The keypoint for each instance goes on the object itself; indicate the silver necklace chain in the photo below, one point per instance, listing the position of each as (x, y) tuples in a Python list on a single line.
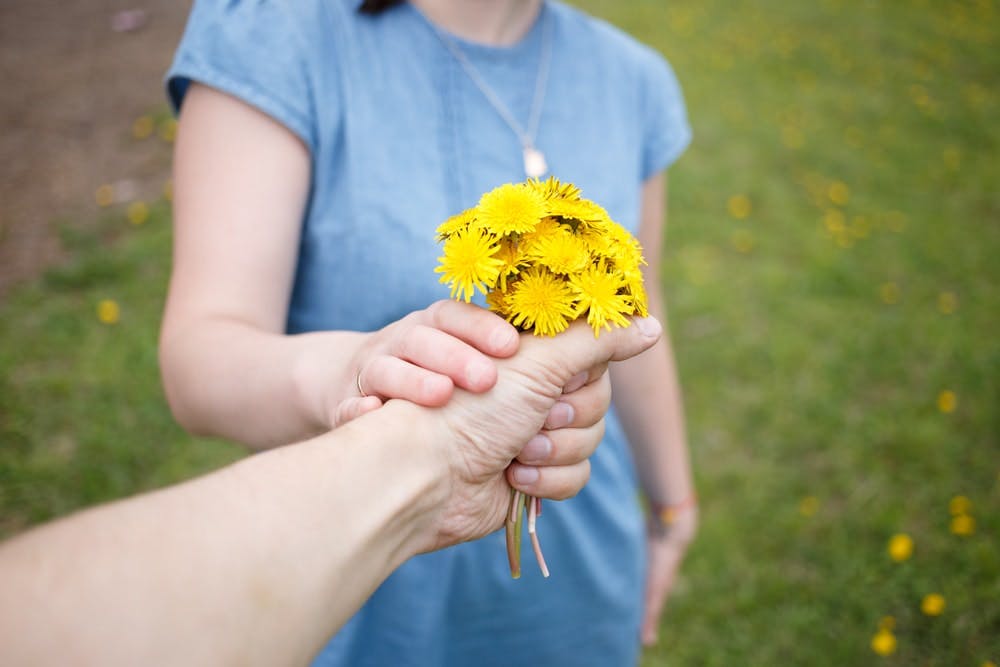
[(534, 160)]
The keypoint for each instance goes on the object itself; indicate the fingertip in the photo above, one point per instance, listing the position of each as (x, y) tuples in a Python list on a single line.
[(480, 375), (435, 390), (649, 327), (504, 340)]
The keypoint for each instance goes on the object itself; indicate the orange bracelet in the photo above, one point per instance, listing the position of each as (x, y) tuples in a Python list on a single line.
[(668, 514)]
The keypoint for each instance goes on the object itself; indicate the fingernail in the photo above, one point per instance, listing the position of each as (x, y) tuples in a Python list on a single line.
[(575, 382), (477, 371), (525, 475), (560, 415), (537, 449), (502, 338), (649, 327)]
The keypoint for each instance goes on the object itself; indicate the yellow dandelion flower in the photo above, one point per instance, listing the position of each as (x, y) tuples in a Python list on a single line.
[(839, 193), (108, 311), (582, 210), (900, 547), (104, 196), (142, 127), (889, 293), (597, 290), (635, 289), (512, 255), (138, 213), (546, 227), (834, 221), (498, 302), (623, 249), (947, 303), (469, 262), (808, 506), (541, 300), (947, 401), (739, 207), (552, 188), (884, 643), (455, 223), (510, 209), (932, 604), (561, 251), (168, 130), (963, 525), (959, 505)]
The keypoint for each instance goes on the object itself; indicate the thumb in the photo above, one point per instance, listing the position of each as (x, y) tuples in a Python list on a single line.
[(577, 350)]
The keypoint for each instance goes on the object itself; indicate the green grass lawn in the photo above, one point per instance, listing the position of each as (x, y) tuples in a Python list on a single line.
[(834, 285)]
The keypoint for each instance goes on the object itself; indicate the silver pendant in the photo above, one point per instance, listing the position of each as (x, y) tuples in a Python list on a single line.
[(534, 162)]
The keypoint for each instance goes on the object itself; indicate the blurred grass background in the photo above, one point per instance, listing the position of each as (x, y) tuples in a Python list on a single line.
[(832, 274)]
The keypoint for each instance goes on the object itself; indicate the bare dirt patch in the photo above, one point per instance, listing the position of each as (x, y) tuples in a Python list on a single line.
[(72, 88)]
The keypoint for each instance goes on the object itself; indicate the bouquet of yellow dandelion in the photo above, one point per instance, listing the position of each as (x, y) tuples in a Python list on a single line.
[(543, 256)]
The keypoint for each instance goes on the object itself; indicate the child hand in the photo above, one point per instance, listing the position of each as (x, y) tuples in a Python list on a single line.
[(424, 356)]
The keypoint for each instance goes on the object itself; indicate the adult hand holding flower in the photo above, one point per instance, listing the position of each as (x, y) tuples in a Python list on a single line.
[(481, 439)]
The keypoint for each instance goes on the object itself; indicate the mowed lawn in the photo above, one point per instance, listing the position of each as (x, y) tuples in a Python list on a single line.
[(833, 277)]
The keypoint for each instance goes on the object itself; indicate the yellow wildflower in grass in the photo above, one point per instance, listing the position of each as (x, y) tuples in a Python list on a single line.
[(963, 525), (104, 195), (137, 213), (959, 505), (947, 401), (808, 506), (739, 207), (900, 547), (947, 303), (510, 209), (889, 293), (142, 127), (839, 193), (544, 257), (988, 663), (884, 643), (469, 262), (108, 311), (168, 130), (834, 221), (932, 604)]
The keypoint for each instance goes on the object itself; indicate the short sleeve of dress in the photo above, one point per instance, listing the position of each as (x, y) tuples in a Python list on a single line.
[(254, 50), (667, 131)]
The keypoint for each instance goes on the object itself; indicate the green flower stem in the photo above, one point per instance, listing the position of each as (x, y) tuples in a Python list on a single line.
[(515, 521)]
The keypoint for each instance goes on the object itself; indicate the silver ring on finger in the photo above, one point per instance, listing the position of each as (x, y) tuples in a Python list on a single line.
[(357, 381)]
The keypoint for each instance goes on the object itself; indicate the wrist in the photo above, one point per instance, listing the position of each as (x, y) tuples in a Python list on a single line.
[(677, 518), (321, 381)]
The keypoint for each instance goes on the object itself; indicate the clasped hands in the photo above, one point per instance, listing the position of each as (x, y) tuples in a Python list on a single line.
[(506, 409)]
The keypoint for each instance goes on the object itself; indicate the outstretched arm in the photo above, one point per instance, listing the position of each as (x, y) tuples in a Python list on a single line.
[(260, 562)]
